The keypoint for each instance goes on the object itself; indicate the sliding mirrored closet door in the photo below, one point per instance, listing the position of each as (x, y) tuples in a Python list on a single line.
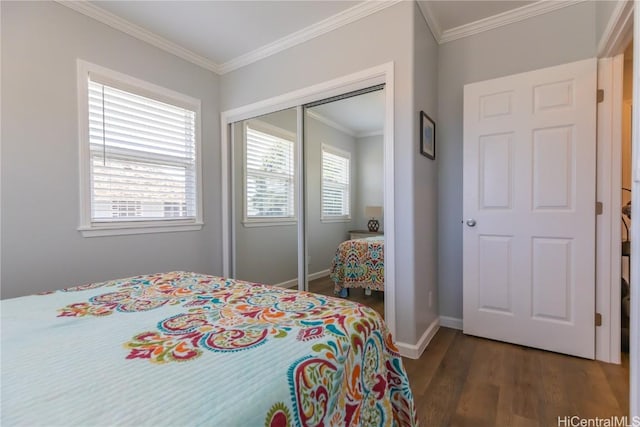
[(344, 164), (265, 211), (306, 181)]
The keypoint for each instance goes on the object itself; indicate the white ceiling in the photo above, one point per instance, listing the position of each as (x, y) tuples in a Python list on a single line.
[(223, 35)]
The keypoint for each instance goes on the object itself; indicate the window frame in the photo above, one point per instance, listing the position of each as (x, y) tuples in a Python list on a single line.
[(341, 153), (278, 132), (93, 228)]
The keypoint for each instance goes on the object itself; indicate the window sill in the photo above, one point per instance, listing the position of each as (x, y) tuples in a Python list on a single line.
[(119, 229), (251, 224), (340, 219)]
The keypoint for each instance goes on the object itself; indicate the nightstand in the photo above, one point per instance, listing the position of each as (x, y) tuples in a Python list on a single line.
[(361, 234)]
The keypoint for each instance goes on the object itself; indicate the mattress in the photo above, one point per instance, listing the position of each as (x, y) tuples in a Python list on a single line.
[(183, 348)]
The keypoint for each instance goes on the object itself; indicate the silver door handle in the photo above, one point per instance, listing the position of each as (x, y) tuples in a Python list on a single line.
[(471, 222)]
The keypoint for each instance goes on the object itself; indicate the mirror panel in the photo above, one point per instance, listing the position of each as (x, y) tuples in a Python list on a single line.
[(265, 209), (344, 188)]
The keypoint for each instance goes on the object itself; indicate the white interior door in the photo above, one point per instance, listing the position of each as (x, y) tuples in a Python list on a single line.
[(529, 208)]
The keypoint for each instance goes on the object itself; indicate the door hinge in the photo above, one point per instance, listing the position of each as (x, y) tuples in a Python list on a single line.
[(598, 208), (600, 95), (598, 319)]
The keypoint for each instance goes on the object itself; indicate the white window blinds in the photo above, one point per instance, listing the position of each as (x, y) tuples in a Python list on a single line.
[(335, 183), (270, 176), (142, 157)]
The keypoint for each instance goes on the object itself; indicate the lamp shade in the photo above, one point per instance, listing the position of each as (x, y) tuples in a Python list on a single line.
[(373, 211)]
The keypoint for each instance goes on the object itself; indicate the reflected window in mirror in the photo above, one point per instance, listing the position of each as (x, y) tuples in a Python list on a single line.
[(270, 172), (336, 184)]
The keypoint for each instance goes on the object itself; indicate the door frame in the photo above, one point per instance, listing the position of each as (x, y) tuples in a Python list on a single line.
[(616, 37), (623, 26), (608, 224), (634, 323), (382, 74)]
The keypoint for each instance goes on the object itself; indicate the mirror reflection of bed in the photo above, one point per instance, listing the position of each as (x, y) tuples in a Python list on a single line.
[(354, 258), (326, 286), (344, 175)]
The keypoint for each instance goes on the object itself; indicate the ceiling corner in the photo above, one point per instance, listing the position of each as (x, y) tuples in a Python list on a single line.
[(430, 18)]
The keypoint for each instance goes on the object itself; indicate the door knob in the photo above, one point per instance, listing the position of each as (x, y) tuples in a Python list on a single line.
[(471, 222)]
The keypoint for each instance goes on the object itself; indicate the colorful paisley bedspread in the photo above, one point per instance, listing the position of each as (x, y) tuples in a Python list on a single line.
[(359, 263), (183, 348)]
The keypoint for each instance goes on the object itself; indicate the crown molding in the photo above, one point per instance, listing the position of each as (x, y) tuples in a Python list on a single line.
[(270, 127), (509, 17), (327, 121), (322, 119), (345, 17), (619, 30), (430, 18), (378, 132), (86, 8)]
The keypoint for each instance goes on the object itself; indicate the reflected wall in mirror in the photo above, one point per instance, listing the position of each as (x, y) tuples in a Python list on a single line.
[(265, 212), (344, 165)]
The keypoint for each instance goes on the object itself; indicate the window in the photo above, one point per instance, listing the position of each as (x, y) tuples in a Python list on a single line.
[(175, 209), (335, 184), (269, 174), (126, 208), (139, 156)]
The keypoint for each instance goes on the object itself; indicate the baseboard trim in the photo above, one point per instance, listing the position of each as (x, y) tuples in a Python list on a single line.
[(414, 351), (319, 274), (293, 283), (451, 322)]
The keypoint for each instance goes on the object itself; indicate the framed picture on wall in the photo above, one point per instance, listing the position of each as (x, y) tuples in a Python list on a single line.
[(427, 136)]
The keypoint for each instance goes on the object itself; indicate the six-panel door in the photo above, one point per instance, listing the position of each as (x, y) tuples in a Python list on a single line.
[(529, 186)]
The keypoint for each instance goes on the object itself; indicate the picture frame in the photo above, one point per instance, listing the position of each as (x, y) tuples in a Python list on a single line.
[(427, 136)]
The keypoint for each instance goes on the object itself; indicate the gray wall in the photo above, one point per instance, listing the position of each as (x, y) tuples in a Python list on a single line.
[(384, 36), (425, 176), (370, 159), (555, 38), (41, 248)]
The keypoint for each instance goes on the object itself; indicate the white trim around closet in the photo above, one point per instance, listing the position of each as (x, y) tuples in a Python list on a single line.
[(356, 81)]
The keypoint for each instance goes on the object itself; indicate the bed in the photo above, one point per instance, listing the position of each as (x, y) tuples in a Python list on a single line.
[(183, 348), (359, 263)]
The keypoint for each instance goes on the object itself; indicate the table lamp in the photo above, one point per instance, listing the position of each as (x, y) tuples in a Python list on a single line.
[(373, 212)]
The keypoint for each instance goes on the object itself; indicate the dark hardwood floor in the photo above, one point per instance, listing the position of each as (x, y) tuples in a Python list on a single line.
[(325, 286), (467, 381)]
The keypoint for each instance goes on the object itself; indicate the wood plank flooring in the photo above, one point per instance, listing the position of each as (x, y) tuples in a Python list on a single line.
[(467, 381)]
